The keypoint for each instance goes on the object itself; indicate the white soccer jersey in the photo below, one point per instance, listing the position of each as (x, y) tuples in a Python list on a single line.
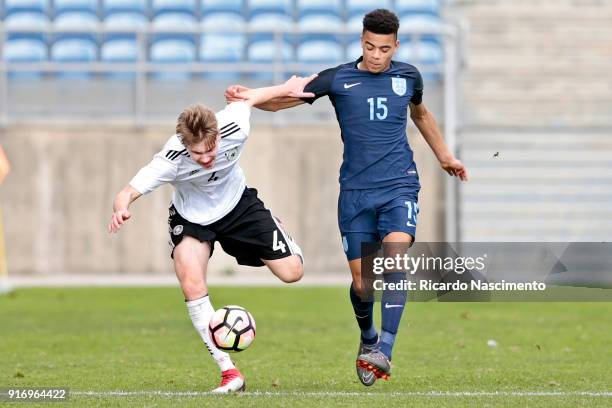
[(201, 195)]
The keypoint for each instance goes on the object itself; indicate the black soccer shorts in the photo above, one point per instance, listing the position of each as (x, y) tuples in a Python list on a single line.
[(249, 232)]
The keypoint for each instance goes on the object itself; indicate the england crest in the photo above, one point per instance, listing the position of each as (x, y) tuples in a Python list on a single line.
[(399, 86)]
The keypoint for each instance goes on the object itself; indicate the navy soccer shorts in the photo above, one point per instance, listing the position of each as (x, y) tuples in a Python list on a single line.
[(371, 214)]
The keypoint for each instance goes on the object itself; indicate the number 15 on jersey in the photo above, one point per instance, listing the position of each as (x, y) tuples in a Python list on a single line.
[(379, 111)]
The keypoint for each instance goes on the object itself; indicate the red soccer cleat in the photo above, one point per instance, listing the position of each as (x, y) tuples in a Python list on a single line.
[(231, 381)]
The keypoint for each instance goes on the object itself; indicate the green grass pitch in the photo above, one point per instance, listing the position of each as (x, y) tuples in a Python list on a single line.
[(140, 341)]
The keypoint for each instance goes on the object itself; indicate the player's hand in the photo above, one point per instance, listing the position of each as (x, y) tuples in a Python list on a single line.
[(118, 218), (295, 86), (455, 168), (233, 93)]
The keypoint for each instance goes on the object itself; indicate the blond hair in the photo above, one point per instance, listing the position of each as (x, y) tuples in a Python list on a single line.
[(197, 124)]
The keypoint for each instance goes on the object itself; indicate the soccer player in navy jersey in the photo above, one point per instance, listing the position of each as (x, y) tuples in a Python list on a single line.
[(379, 183)]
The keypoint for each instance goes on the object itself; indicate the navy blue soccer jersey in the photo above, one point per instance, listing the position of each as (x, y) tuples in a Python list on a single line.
[(372, 110)]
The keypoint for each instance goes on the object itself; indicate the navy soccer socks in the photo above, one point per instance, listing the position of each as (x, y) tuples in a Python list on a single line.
[(364, 311), (392, 306)]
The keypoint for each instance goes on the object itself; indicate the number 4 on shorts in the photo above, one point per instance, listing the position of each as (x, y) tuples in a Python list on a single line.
[(276, 244)]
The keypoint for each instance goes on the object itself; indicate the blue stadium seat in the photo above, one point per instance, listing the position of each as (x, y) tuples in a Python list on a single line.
[(423, 52), (427, 53), (318, 51), (84, 22), (422, 21), (25, 50), (320, 22), (361, 7), (265, 51), (172, 51), (26, 46), (122, 46), (175, 21), (75, 50), (163, 6), (62, 6), (34, 20), (417, 6), (14, 6), (270, 6), (119, 50), (223, 20), (115, 6), (77, 47), (125, 20), (270, 21), (210, 6), (222, 46), (354, 50), (355, 23), (305, 7)]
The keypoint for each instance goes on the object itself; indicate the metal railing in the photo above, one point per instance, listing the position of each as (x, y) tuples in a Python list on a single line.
[(143, 66)]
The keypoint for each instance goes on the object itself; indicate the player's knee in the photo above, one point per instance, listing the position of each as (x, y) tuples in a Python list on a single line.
[(294, 270), (358, 287), (193, 288)]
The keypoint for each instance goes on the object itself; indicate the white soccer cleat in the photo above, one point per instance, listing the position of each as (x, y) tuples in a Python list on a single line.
[(231, 381)]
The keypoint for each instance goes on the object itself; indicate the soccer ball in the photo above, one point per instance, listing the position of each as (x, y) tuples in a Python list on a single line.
[(232, 328)]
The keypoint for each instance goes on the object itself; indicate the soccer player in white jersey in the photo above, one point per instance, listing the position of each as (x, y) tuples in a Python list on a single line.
[(212, 203)]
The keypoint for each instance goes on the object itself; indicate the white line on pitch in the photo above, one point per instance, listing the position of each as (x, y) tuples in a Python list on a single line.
[(351, 394)]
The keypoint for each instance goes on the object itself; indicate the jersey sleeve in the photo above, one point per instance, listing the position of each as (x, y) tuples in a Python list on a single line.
[(417, 94), (321, 85), (159, 171), (233, 118)]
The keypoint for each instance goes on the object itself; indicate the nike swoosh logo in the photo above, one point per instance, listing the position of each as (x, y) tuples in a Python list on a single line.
[(347, 86), (238, 320), (368, 376), (388, 306)]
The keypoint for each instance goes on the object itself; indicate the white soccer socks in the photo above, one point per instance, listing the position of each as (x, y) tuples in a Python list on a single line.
[(201, 311)]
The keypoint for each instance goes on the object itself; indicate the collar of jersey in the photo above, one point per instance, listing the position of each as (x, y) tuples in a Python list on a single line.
[(356, 66)]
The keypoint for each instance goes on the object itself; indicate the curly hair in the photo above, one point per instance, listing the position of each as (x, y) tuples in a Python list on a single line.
[(381, 21)]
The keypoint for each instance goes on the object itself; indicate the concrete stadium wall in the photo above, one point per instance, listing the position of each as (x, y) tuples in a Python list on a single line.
[(537, 62), (57, 200)]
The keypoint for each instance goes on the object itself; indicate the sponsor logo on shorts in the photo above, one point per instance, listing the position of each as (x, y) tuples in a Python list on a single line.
[(177, 230)]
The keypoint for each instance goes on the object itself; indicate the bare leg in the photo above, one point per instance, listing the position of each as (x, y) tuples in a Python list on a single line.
[(289, 269)]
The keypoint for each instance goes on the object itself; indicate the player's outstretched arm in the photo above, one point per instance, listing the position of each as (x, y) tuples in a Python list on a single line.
[(426, 123), (236, 93), (120, 208)]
